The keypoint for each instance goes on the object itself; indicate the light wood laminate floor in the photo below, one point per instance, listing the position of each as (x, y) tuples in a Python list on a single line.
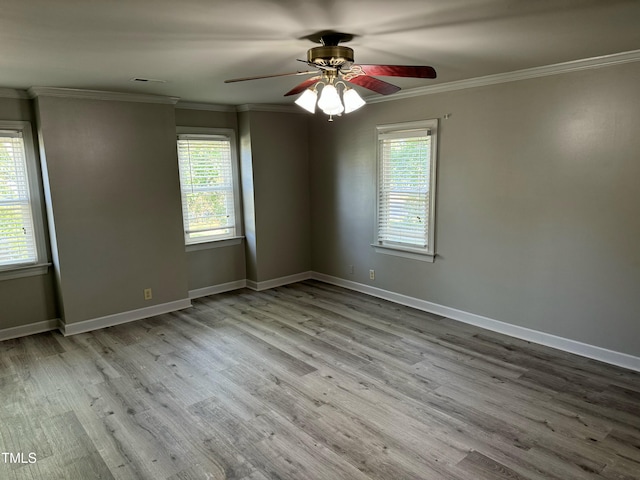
[(311, 381)]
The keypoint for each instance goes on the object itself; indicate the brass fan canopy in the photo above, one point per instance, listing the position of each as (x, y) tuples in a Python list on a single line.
[(330, 55)]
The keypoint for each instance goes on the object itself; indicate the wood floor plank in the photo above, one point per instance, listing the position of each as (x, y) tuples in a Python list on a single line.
[(208, 450), (480, 466), (80, 403), (73, 450), (312, 459), (311, 381)]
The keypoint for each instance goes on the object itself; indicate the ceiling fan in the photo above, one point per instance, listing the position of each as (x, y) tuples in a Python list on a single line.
[(334, 65)]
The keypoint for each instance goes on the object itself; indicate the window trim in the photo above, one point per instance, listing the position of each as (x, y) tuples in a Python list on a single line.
[(230, 133), (223, 242), (41, 265), (397, 129)]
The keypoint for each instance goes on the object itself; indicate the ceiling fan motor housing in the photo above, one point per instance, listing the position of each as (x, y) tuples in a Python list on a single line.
[(330, 56)]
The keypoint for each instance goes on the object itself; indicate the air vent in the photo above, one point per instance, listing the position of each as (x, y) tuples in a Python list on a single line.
[(147, 80)]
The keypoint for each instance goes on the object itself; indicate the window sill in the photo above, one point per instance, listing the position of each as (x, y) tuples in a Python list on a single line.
[(413, 253), (24, 271), (227, 242)]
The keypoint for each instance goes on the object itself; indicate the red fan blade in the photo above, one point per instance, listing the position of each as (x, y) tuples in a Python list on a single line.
[(374, 84), (414, 71), (244, 79), (303, 86)]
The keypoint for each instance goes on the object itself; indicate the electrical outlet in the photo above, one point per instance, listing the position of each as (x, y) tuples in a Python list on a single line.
[(148, 294), (351, 269), (372, 274)]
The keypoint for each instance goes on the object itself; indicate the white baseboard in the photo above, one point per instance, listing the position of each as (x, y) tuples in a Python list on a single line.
[(535, 336), (124, 317), (30, 329), (223, 287), (278, 282)]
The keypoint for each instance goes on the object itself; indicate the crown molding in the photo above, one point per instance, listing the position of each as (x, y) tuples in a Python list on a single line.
[(535, 72), (14, 93), (99, 95), (211, 107), (263, 107)]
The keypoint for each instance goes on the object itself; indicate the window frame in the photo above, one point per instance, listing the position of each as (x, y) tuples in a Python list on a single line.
[(208, 242), (427, 254), (40, 265)]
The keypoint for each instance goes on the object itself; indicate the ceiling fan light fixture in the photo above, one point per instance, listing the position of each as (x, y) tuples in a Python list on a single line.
[(308, 100), (352, 100), (333, 65)]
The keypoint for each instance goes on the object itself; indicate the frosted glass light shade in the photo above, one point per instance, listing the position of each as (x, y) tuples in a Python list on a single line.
[(352, 101), (329, 101), (308, 100), (336, 111)]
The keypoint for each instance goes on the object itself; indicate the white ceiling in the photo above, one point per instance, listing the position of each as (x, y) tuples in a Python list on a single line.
[(196, 44)]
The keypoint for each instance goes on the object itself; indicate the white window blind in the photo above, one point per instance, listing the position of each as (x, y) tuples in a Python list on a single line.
[(406, 184), (207, 184), (17, 234)]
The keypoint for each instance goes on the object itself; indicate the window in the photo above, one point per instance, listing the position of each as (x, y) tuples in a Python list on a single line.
[(406, 189), (209, 183), (21, 230)]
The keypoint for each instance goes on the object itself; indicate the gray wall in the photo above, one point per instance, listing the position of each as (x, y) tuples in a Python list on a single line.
[(537, 208), (275, 170), (113, 197), (214, 266), (28, 299), (248, 195)]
